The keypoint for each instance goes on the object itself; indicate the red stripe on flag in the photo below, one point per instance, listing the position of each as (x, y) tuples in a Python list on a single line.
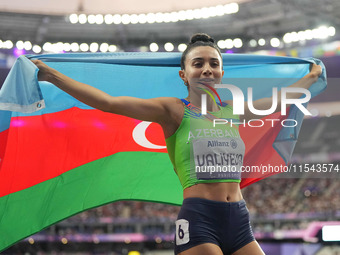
[(259, 146), (42, 147), (3, 144), (74, 137)]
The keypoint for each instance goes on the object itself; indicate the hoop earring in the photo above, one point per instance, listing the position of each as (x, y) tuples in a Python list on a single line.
[(186, 84)]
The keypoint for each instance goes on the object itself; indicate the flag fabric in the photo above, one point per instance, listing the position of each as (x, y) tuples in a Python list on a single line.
[(59, 157)]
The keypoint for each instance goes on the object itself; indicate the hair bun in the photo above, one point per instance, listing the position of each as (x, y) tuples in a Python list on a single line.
[(201, 37)]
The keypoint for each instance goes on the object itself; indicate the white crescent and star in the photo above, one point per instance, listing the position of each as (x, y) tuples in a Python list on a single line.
[(138, 134)]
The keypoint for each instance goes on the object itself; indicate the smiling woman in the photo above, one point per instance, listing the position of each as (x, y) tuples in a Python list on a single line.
[(208, 196), (203, 192), (201, 67), (85, 149)]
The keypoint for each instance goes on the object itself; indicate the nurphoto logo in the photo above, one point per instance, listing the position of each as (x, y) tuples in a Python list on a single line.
[(239, 101)]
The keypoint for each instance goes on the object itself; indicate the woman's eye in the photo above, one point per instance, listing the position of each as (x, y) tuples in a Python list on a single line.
[(197, 64)]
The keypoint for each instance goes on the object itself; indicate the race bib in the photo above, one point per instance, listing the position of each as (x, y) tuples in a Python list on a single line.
[(217, 158), (182, 232)]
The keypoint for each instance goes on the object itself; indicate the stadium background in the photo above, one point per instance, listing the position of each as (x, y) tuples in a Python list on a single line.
[(287, 214)]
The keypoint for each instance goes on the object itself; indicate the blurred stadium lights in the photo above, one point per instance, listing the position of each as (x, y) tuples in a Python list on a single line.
[(309, 34), (8, 44), (158, 240), (262, 42), (82, 18), (169, 46), (19, 45), (18, 52), (229, 43), (36, 49), (182, 47), (275, 42), (202, 13), (64, 240), (322, 32), (104, 47), (74, 47), (94, 47), (237, 43), (154, 47), (252, 43), (112, 48), (84, 47)]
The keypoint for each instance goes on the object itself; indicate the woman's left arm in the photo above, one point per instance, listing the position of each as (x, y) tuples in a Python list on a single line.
[(266, 103)]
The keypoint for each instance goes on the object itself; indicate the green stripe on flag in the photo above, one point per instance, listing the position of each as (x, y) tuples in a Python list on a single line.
[(117, 177)]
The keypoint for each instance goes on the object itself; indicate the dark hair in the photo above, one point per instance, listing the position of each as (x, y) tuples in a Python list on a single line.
[(199, 39)]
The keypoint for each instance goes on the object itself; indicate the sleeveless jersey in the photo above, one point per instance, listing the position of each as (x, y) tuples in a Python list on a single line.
[(202, 153)]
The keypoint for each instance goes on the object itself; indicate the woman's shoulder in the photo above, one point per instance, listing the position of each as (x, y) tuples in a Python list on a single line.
[(173, 105), (171, 101), (175, 111)]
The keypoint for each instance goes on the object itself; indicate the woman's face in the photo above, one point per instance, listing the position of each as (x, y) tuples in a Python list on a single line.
[(203, 66)]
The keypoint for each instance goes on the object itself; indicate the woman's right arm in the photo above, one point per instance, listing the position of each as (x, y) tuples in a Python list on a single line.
[(154, 109)]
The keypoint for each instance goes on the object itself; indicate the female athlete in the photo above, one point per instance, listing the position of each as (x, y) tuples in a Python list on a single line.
[(213, 219)]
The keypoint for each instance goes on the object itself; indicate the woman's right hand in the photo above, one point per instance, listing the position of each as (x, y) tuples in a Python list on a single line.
[(44, 70), (159, 110)]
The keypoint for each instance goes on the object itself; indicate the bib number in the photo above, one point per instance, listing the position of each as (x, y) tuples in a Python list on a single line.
[(217, 158), (182, 232)]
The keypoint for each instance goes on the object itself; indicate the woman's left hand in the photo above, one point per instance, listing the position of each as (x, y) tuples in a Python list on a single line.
[(316, 70)]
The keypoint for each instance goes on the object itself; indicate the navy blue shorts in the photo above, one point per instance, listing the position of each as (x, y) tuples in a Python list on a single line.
[(225, 224)]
